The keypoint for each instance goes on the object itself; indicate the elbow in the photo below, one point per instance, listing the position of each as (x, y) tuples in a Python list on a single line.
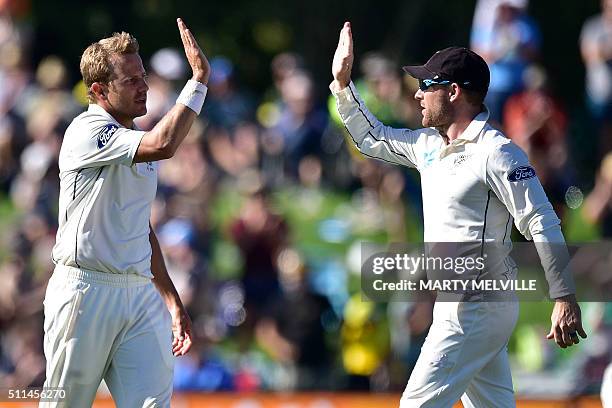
[(156, 145), (165, 148), (166, 151)]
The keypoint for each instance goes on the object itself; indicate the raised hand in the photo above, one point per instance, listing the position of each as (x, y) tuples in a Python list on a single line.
[(343, 59), (195, 55)]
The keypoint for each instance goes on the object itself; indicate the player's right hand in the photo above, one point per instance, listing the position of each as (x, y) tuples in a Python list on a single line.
[(181, 331), (566, 322), (195, 55), (343, 59)]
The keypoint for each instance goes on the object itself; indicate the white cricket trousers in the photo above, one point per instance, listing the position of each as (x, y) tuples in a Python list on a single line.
[(465, 356), (107, 326), (606, 388)]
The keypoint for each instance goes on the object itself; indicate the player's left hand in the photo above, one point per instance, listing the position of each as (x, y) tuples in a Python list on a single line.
[(181, 331), (566, 322)]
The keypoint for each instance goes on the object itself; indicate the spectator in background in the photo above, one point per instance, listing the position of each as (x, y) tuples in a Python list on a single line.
[(15, 74), (187, 187), (167, 66), (234, 152), (13, 140), (260, 235), (596, 50), (227, 105), (282, 66), (535, 121), (483, 21), (508, 47), (383, 89), (597, 207), (185, 265), (291, 328), (301, 121)]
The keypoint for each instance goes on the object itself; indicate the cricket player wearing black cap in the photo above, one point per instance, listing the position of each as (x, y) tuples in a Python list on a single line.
[(474, 182)]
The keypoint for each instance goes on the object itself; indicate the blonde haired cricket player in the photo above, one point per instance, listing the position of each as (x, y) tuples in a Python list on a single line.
[(111, 311)]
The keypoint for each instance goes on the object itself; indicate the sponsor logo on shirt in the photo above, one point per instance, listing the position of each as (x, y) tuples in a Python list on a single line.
[(521, 173), (105, 134)]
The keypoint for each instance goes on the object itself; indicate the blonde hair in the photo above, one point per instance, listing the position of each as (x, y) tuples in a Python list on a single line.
[(97, 59)]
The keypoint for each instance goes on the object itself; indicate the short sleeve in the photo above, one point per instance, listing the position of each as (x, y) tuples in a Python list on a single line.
[(99, 142)]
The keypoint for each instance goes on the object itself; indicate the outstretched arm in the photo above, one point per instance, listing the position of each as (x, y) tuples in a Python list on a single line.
[(371, 137), (163, 140)]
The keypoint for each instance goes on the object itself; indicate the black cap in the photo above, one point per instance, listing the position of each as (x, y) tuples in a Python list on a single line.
[(456, 64)]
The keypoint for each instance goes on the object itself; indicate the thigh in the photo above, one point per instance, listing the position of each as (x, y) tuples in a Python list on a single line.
[(463, 338), (141, 370), (492, 386), (77, 340)]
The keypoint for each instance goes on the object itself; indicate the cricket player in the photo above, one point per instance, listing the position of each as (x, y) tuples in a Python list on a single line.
[(474, 182), (111, 311)]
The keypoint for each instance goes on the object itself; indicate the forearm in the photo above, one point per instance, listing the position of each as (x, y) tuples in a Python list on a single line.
[(371, 137), (171, 130), (174, 126), (161, 279), (555, 260)]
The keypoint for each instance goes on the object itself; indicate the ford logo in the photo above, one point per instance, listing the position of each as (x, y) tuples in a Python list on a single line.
[(105, 134), (521, 173)]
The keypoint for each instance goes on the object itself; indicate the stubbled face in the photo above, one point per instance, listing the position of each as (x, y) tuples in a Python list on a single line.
[(437, 109), (127, 92)]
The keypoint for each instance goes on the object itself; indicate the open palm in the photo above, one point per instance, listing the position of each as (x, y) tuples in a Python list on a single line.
[(343, 58)]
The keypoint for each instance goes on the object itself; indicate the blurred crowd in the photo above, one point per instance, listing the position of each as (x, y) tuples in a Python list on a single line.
[(261, 212)]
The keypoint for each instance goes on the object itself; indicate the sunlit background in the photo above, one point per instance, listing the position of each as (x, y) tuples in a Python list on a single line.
[(262, 211)]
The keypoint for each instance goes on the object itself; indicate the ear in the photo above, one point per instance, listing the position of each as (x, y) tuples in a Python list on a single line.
[(454, 92), (99, 90)]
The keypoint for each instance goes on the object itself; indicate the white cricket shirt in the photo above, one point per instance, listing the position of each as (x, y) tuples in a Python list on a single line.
[(472, 188), (105, 198)]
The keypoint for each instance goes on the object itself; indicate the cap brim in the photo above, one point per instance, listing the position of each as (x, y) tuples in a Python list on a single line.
[(419, 71)]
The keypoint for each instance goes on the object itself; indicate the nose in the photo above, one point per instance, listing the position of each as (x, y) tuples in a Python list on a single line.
[(418, 95)]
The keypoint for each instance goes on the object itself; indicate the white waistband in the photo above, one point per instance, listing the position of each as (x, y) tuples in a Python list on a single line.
[(101, 278)]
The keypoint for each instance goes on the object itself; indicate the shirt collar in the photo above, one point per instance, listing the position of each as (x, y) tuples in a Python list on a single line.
[(470, 133), (475, 127), (94, 108)]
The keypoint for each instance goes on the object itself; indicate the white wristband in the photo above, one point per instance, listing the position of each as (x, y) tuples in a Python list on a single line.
[(193, 95)]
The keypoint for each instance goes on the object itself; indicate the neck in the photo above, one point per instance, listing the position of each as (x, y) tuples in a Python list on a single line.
[(455, 129), (123, 120)]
